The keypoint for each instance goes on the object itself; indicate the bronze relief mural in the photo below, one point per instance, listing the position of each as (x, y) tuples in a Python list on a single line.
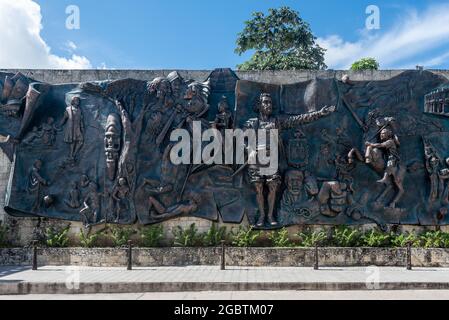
[(350, 152)]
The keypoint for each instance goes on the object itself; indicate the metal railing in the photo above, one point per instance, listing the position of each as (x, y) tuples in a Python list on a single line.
[(222, 252)]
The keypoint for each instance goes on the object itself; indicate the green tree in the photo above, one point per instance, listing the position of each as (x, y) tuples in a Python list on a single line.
[(281, 41), (365, 64)]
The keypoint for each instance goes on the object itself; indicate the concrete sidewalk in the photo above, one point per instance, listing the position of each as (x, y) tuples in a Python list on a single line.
[(85, 280)]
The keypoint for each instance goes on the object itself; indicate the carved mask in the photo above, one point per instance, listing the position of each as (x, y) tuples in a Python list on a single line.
[(295, 182)]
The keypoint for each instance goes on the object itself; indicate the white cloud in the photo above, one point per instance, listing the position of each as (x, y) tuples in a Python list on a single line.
[(416, 34), (71, 46), (22, 44)]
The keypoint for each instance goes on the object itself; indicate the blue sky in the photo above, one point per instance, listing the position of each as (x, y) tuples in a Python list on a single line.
[(201, 34)]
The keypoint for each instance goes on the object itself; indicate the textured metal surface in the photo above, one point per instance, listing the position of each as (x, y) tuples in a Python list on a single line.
[(99, 152)]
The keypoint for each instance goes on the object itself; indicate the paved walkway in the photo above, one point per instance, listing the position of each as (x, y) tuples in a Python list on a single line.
[(62, 280)]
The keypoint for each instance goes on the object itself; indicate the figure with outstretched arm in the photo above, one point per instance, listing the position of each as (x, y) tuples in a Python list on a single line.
[(260, 180)]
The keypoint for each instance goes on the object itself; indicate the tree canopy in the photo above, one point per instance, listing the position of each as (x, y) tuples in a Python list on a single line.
[(281, 41), (365, 64)]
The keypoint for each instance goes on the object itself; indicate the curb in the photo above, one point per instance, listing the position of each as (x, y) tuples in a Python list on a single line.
[(23, 288)]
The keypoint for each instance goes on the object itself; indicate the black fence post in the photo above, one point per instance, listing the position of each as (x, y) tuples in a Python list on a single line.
[(409, 256), (223, 255), (316, 258), (34, 255), (130, 255)]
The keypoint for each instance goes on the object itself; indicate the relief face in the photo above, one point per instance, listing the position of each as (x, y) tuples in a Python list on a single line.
[(348, 152)]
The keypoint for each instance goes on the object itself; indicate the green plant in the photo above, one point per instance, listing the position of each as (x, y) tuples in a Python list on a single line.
[(120, 235), (245, 237), (88, 240), (365, 64), (434, 239), (151, 236), (281, 40), (401, 240), (57, 238), (214, 235), (280, 239), (309, 239), (3, 235), (375, 238), (346, 237), (186, 238)]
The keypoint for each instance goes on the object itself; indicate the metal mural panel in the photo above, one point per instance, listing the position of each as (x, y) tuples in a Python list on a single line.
[(350, 152)]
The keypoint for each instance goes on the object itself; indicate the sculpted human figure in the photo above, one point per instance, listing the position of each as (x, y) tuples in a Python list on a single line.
[(373, 156), (384, 158), (389, 147), (177, 84), (73, 200), (294, 179), (32, 136), (197, 95), (272, 182), (167, 108), (35, 184), (49, 132), (443, 177), (301, 188), (159, 211), (120, 195), (433, 170), (161, 88), (223, 120), (74, 127), (90, 212)]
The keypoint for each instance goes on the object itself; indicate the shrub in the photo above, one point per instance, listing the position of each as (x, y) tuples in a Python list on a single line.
[(346, 237), (151, 236), (401, 240), (57, 238), (245, 237), (186, 238), (434, 239), (214, 236), (3, 235), (375, 238), (280, 239), (88, 240), (120, 235), (310, 239)]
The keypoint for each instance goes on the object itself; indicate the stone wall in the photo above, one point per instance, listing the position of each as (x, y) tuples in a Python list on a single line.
[(24, 230), (243, 257), (275, 77)]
